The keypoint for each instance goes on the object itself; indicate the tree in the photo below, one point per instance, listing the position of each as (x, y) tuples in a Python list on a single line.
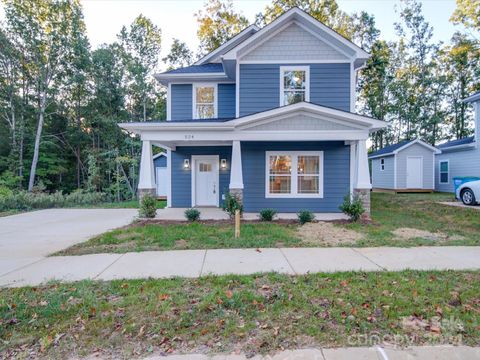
[(179, 56), (46, 30), (141, 45), (467, 13), (218, 23)]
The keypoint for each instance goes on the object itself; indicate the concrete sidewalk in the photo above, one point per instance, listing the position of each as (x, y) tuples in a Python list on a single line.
[(360, 353), (195, 263)]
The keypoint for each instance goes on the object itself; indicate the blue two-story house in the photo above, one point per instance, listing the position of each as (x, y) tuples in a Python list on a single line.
[(268, 116)]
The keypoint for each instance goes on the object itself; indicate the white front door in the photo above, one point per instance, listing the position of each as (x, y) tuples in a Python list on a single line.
[(206, 181), (162, 181), (414, 173)]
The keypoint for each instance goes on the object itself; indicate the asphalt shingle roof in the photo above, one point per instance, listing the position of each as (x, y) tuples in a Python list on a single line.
[(464, 141), (391, 148), (198, 69)]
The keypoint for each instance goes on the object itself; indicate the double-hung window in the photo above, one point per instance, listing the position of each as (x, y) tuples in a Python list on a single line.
[(444, 172), (294, 84), (204, 101), (294, 174)]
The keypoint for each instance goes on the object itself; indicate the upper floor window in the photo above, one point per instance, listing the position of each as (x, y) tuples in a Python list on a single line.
[(294, 84), (204, 101)]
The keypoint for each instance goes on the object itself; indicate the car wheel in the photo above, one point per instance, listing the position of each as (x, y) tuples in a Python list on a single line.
[(468, 198)]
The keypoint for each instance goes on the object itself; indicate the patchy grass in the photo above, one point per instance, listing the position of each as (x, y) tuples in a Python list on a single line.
[(187, 236), (132, 204), (252, 314), (9, 212), (390, 212)]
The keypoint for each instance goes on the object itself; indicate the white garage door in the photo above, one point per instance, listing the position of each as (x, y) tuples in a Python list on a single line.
[(161, 181)]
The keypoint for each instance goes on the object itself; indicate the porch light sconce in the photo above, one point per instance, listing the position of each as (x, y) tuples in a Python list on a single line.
[(223, 164), (186, 164)]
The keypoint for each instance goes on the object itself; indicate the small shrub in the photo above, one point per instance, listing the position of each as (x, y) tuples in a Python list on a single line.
[(148, 206), (267, 214), (5, 191), (192, 214), (352, 207), (231, 204), (305, 216)]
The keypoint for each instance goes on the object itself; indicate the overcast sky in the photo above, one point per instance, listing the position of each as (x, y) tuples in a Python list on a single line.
[(104, 18)]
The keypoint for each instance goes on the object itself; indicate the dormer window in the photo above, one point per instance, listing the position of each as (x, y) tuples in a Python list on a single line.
[(204, 101), (294, 84)]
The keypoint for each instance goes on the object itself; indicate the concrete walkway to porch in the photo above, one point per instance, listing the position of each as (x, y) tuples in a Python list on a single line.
[(195, 263), (214, 213)]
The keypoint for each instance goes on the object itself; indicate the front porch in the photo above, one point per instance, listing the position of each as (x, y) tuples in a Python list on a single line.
[(214, 213)]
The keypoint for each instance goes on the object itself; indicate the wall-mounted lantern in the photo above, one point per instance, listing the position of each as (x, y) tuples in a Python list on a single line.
[(186, 164), (223, 164)]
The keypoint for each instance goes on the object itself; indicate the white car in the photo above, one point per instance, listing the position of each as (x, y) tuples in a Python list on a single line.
[(469, 192)]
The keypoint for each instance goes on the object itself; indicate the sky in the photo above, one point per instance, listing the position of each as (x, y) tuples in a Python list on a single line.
[(104, 18)]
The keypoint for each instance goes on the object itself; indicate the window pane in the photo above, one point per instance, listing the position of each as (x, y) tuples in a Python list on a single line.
[(292, 97), (444, 166), (294, 80), (280, 164), (308, 164), (308, 185), (205, 95), (444, 177), (205, 111), (280, 184)]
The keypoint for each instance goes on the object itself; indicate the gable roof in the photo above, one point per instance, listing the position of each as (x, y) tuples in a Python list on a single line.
[(396, 148), (458, 142), (308, 22), (197, 69), (473, 98)]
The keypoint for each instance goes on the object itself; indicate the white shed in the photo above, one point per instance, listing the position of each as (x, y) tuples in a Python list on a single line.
[(161, 174), (406, 166)]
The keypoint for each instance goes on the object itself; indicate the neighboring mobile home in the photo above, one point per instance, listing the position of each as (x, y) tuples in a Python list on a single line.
[(268, 116), (406, 166), (459, 158)]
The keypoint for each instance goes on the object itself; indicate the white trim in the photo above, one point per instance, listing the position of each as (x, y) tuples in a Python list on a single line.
[(158, 155), (352, 87), (237, 90), (353, 157), (472, 98), (406, 170), (169, 102), (294, 174), (382, 166), (283, 69), (395, 180), (169, 178), (193, 169), (433, 166), (440, 172), (194, 98), (417, 141), (290, 61)]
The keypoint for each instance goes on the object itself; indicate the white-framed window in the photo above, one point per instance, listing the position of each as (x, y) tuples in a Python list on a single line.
[(294, 174), (444, 172), (382, 164), (294, 84), (204, 101)]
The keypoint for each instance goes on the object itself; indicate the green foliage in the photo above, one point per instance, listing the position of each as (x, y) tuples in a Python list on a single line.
[(180, 55), (352, 207), (192, 214), (467, 13), (24, 200), (267, 214), (231, 204), (5, 192), (305, 216), (148, 206)]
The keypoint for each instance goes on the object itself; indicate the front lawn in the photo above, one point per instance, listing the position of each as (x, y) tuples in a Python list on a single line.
[(398, 220), (250, 314)]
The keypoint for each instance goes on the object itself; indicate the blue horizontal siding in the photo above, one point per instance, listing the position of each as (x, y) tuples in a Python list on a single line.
[(336, 176), (260, 86), (226, 101), (182, 179), (160, 161), (181, 101)]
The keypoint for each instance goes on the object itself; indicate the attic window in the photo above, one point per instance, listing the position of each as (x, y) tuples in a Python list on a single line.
[(204, 101), (294, 84)]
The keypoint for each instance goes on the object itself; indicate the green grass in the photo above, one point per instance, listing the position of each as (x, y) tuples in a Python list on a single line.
[(187, 236), (132, 204), (252, 314)]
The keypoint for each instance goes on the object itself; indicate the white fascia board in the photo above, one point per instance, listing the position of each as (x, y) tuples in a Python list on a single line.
[(158, 155), (218, 51), (419, 142), (213, 76), (172, 126), (300, 16), (381, 155), (472, 98), (459, 147)]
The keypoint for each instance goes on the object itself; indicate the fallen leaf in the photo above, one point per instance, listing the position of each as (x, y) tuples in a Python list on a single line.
[(229, 294)]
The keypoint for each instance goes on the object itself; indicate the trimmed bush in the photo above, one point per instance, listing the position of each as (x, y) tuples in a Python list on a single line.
[(192, 214), (148, 206), (231, 204), (305, 216), (352, 207), (267, 214)]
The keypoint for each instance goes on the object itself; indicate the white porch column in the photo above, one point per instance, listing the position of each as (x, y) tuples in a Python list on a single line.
[(236, 174), (146, 183), (362, 185)]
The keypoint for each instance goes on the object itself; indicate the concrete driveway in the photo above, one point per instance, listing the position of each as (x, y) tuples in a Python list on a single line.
[(27, 238)]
